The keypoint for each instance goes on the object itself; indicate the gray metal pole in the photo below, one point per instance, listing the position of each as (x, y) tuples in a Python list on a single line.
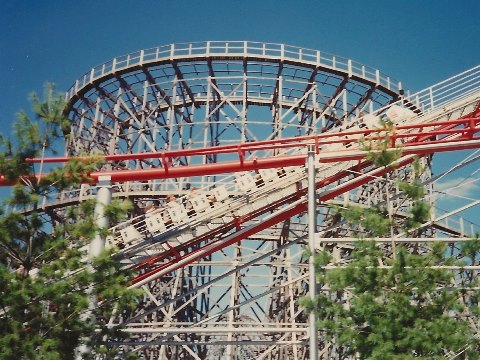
[(104, 197), (97, 245), (311, 243)]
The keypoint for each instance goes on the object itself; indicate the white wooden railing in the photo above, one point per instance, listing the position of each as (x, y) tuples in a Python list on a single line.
[(226, 49)]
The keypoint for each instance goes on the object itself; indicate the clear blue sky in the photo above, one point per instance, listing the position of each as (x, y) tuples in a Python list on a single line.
[(418, 42)]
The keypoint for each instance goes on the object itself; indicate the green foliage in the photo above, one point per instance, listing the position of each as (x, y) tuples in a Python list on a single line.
[(384, 157), (419, 211), (117, 210), (413, 190), (471, 251), (50, 112), (398, 311), (380, 152), (418, 214), (74, 172), (46, 286), (402, 307), (374, 220)]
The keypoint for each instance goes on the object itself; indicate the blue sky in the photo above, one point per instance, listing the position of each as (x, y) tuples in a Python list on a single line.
[(418, 42)]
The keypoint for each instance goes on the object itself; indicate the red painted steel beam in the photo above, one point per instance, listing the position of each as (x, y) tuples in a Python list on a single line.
[(271, 162), (200, 170), (415, 148), (167, 171), (300, 141)]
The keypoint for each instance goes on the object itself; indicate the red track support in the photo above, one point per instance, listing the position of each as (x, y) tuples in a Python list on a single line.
[(445, 129)]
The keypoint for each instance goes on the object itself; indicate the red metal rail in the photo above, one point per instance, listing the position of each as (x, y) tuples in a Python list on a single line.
[(412, 139), (446, 136), (466, 126)]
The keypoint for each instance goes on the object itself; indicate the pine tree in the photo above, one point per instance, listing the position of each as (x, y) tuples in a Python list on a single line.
[(402, 307), (46, 280)]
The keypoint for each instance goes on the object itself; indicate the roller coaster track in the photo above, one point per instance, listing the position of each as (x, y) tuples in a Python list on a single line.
[(270, 189), (265, 197)]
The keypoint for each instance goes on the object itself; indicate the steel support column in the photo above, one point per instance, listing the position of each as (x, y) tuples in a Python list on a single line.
[(97, 245), (311, 243), (104, 198)]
